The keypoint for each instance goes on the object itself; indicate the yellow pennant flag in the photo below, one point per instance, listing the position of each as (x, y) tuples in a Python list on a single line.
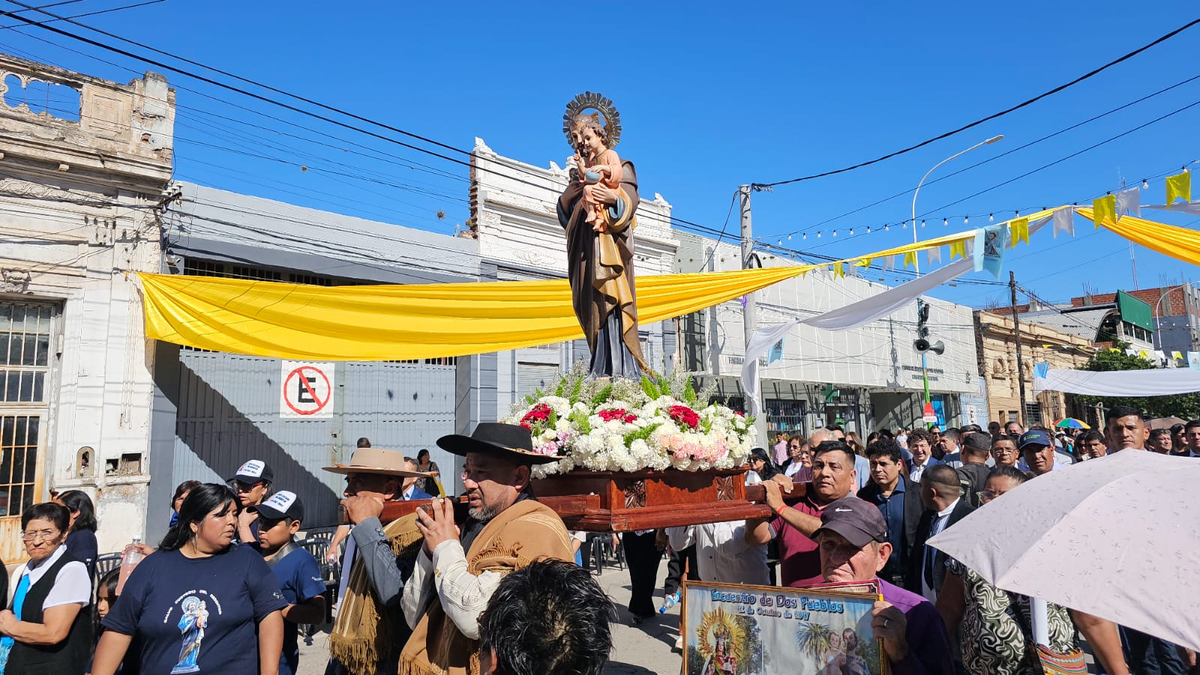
[(1105, 210), (1018, 231), (910, 258), (839, 270), (1179, 186), (958, 248), (1114, 349), (865, 262), (1142, 353), (1176, 355)]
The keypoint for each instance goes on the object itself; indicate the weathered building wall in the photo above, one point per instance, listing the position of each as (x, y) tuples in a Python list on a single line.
[(83, 166)]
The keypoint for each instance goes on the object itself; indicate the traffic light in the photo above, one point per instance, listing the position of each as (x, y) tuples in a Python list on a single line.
[(922, 343)]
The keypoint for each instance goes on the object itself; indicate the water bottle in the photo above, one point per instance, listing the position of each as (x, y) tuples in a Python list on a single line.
[(129, 560), (669, 602)]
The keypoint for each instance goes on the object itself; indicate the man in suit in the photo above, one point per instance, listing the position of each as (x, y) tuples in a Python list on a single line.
[(940, 493), (409, 489), (899, 501)]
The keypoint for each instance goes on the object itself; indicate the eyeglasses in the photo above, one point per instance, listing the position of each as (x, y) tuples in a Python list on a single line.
[(44, 535), (985, 497)]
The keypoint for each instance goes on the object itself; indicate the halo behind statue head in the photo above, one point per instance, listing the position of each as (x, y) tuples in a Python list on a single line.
[(598, 105)]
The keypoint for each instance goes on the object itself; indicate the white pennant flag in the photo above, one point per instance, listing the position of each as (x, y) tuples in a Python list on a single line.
[(889, 262), (970, 246), (1131, 352), (1064, 221), (1129, 202), (933, 254)]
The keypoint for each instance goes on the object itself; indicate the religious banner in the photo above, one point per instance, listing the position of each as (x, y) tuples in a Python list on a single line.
[(731, 629), (989, 248)]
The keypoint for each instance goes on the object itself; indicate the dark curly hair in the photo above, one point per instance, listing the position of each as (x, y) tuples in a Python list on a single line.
[(549, 618)]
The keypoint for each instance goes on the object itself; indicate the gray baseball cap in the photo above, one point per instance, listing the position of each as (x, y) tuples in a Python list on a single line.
[(859, 521)]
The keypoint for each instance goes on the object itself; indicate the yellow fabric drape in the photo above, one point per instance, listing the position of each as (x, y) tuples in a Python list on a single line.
[(381, 323), (1180, 243)]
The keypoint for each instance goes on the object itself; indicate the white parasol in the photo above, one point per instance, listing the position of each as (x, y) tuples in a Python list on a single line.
[(1117, 537)]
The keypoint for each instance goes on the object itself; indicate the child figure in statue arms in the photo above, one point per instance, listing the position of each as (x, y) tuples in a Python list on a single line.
[(599, 163)]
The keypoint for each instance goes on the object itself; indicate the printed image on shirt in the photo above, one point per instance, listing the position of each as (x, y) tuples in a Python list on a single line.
[(191, 624)]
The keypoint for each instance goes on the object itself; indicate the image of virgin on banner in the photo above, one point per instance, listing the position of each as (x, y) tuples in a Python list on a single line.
[(731, 629)]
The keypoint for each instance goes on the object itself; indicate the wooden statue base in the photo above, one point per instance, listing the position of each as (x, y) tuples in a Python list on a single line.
[(649, 500), (602, 501)]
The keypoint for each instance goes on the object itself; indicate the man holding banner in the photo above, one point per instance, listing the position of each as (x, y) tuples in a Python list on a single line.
[(854, 547)]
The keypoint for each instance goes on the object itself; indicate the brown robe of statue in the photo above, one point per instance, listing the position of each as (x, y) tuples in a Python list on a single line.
[(600, 269)]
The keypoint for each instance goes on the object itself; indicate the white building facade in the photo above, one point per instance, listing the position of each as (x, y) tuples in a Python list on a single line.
[(83, 170)]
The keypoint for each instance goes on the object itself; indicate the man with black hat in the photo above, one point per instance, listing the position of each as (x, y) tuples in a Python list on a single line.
[(458, 570), (854, 546), (252, 483), (377, 563)]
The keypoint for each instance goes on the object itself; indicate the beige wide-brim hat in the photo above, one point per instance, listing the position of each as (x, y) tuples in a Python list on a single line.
[(376, 460)]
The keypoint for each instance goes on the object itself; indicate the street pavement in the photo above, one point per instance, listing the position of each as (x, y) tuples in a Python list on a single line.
[(638, 650)]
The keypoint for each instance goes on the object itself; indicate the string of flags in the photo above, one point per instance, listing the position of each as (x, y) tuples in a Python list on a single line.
[(1110, 206)]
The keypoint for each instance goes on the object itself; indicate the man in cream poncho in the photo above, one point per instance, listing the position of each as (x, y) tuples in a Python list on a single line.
[(458, 571)]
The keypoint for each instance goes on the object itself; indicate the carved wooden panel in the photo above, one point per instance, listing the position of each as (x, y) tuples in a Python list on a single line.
[(635, 495), (725, 489)]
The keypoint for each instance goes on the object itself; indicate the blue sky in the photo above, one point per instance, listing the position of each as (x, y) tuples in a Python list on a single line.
[(712, 95)]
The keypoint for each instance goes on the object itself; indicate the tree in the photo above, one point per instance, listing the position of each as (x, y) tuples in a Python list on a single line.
[(1185, 406)]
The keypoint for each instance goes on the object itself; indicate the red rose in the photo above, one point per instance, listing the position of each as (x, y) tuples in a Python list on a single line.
[(630, 419), (684, 415), (612, 414)]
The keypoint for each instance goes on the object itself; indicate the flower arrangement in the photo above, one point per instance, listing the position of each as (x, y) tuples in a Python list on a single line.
[(628, 425)]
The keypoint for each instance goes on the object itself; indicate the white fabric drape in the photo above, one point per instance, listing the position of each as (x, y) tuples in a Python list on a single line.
[(854, 315), (843, 318), (1153, 382), (1192, 208)]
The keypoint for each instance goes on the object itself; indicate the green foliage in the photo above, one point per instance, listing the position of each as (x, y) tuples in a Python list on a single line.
[(603, 395), (649, 387), (689, 392), (576, 390), (1185, 406), (561, 388), (641, 434), (580, 419)]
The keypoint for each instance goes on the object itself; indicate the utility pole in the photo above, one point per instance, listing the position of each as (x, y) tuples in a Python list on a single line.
[(1012, 286), (750, 310)]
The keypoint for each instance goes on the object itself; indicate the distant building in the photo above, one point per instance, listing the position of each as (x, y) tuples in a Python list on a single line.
[(1102, 320), (994, 335)]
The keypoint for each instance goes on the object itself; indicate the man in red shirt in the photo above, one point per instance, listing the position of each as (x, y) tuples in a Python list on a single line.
[(833, 478)]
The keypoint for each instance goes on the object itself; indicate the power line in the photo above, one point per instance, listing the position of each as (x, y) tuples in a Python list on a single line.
[(1002, 113), (999, 156), (1070, 156), (86, 14), (286, 106)]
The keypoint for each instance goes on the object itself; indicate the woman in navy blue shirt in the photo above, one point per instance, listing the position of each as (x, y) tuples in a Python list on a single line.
[(200, 603), (81, 537)]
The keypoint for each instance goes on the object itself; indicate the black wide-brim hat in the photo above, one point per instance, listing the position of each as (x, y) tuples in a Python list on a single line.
[(507, 441)]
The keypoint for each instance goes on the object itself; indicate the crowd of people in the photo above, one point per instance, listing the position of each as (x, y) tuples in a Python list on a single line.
[(851, 524), (495, 586)]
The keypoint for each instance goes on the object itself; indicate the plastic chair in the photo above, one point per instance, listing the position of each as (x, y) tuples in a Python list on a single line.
[(107, 563)]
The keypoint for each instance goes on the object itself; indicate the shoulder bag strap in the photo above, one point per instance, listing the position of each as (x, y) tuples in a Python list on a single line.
[(284, 552)]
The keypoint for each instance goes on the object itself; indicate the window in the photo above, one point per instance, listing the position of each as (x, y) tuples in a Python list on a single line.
[(25, 334), (694, 346), (1033, 414), (25, 349)]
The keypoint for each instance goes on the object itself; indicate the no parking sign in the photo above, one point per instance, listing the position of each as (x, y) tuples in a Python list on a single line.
[(306, 391)]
